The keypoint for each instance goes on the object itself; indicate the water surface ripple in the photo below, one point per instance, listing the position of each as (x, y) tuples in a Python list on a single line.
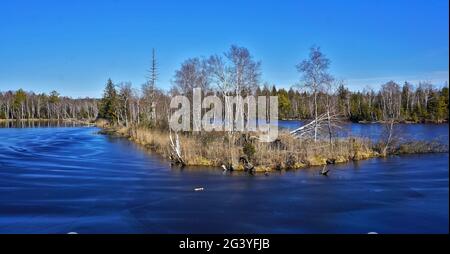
[(58, 180)]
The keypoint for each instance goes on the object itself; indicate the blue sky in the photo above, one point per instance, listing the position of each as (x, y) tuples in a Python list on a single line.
[(75, 46)]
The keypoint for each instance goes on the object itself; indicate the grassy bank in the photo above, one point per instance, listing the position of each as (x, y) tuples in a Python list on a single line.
[(215, 149), (212, 149)]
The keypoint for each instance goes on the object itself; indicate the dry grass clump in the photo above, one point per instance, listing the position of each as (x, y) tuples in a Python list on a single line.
[(418, 147), (197, 149), (101, 123), (289, 153)]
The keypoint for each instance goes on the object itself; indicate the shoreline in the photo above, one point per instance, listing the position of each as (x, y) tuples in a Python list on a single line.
[(38, 122), (195, 154)]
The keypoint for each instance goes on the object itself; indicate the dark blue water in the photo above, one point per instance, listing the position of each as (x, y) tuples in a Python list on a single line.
[(59, 180)]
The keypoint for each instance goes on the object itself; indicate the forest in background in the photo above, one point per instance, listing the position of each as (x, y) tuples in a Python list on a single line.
[(421, 103)]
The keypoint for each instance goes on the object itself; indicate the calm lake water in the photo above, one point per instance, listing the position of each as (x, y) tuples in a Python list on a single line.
[(377, 131), (59, 180)]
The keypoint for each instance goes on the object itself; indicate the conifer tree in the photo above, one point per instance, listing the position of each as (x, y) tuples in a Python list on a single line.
[(109, 103)]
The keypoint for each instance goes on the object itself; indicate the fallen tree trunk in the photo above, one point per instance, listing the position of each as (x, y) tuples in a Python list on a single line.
[(325, 123)]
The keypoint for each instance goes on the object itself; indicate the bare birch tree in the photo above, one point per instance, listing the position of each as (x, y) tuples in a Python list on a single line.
[(315, 77), (235, 74), (391, 104)]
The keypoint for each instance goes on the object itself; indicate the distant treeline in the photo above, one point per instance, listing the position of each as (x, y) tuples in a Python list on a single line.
[(22, 105), (421, 103), (424, 103), (121, 102)]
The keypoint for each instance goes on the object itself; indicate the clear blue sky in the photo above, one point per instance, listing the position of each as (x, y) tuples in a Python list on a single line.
[(75, 46)]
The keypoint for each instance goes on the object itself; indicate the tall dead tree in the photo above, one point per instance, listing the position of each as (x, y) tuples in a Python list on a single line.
[(149, 90)]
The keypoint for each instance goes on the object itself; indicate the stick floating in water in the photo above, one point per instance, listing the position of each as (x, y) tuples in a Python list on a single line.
[(324, 171)]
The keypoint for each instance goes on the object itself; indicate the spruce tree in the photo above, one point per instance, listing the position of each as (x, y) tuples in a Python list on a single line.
[(109, 103)]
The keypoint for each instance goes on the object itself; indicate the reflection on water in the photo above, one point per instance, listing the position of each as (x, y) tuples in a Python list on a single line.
[(59, 180), (39, 123)]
